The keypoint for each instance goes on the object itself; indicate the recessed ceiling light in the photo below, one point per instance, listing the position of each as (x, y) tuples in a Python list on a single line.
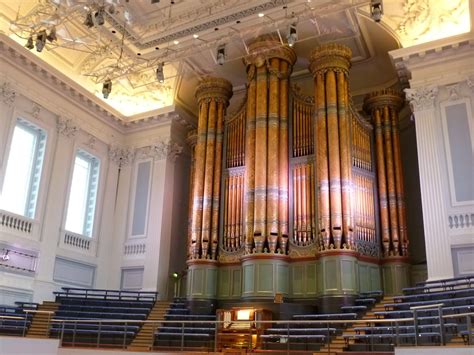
[(157, 48), (261, 14), (216, 29), (176, 41), (113, 31), (238, 21), (139, 54), (195, 35)]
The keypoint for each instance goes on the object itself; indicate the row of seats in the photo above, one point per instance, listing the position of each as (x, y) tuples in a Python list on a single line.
[(125, 307), (452, 298), (14, 320), (199, 333), (309, 334)]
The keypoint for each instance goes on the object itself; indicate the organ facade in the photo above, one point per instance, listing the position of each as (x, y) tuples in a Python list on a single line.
[(295, 195)]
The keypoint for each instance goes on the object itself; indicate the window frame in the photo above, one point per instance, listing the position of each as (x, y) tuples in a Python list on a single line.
[(100, 170), (132, 194), (29, 124)]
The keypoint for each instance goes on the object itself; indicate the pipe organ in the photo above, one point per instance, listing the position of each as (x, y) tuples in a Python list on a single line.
[(295, 187)]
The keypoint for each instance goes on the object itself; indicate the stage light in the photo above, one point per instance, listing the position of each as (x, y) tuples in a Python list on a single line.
[(160, 76), (99, 17), (107, 88), (292, 35), (52, 35), (376, 10), (89, 22), (41, 40), (29, 43), (220, 57)]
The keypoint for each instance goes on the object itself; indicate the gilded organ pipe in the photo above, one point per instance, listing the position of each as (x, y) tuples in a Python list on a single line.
[(383, 107), (213, 95)]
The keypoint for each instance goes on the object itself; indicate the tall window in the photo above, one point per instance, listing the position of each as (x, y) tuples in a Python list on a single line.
[(22, 177), (83, 194)]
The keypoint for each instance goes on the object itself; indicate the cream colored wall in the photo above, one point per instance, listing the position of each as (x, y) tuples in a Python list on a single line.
[(103, 261), (441, 74)]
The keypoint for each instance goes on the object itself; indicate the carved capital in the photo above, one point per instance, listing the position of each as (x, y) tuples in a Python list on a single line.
[(66, 127), (191, 138), (7, 94), (422, 98), (330, 56), (166, 149), (122, 156), (382, 98), (214, 88), (453, 92), (470, 82)]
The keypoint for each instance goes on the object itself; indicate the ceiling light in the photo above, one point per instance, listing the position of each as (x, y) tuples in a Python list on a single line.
[(292, 35), (195, 35), (176, 41), (40, 40), (107, 88), (160, 76), (29, 43), (261, 14), (376, 10), (5, 256), (220, 58)]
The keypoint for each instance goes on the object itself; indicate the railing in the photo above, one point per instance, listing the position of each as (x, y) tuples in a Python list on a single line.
[(67, 330), (134, 248), (77, 242), (16, 223), (107, 294)]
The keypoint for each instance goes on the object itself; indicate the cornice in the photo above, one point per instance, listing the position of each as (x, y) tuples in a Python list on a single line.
[(405, 59), (48, 76)]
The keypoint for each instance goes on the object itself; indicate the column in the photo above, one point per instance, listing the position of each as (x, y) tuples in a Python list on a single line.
[(438, 251)]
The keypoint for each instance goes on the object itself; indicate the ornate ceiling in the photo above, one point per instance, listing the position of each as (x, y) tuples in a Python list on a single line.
[(185, 34)]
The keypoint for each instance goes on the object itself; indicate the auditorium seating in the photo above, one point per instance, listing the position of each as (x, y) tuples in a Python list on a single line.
[(310, 334), (76, 320), (15, 320), (427, 302), (197, 331)]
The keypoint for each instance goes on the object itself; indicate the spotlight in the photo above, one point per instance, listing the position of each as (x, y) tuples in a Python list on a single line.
[(107, 88), (292, 35), (5, 256), (220, 58), (29, 43), (41, 40), (52, 35), (99, 16), (376, 10), (89, 22), (160, 76)]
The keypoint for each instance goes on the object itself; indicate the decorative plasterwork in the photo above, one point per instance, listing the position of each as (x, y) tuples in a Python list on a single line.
[(422, 21), (66, 127), (121, 156), (453, 92), (422, 98), (7, 94), (167, 150), (189, 31), (160, 150), (470, 82)]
